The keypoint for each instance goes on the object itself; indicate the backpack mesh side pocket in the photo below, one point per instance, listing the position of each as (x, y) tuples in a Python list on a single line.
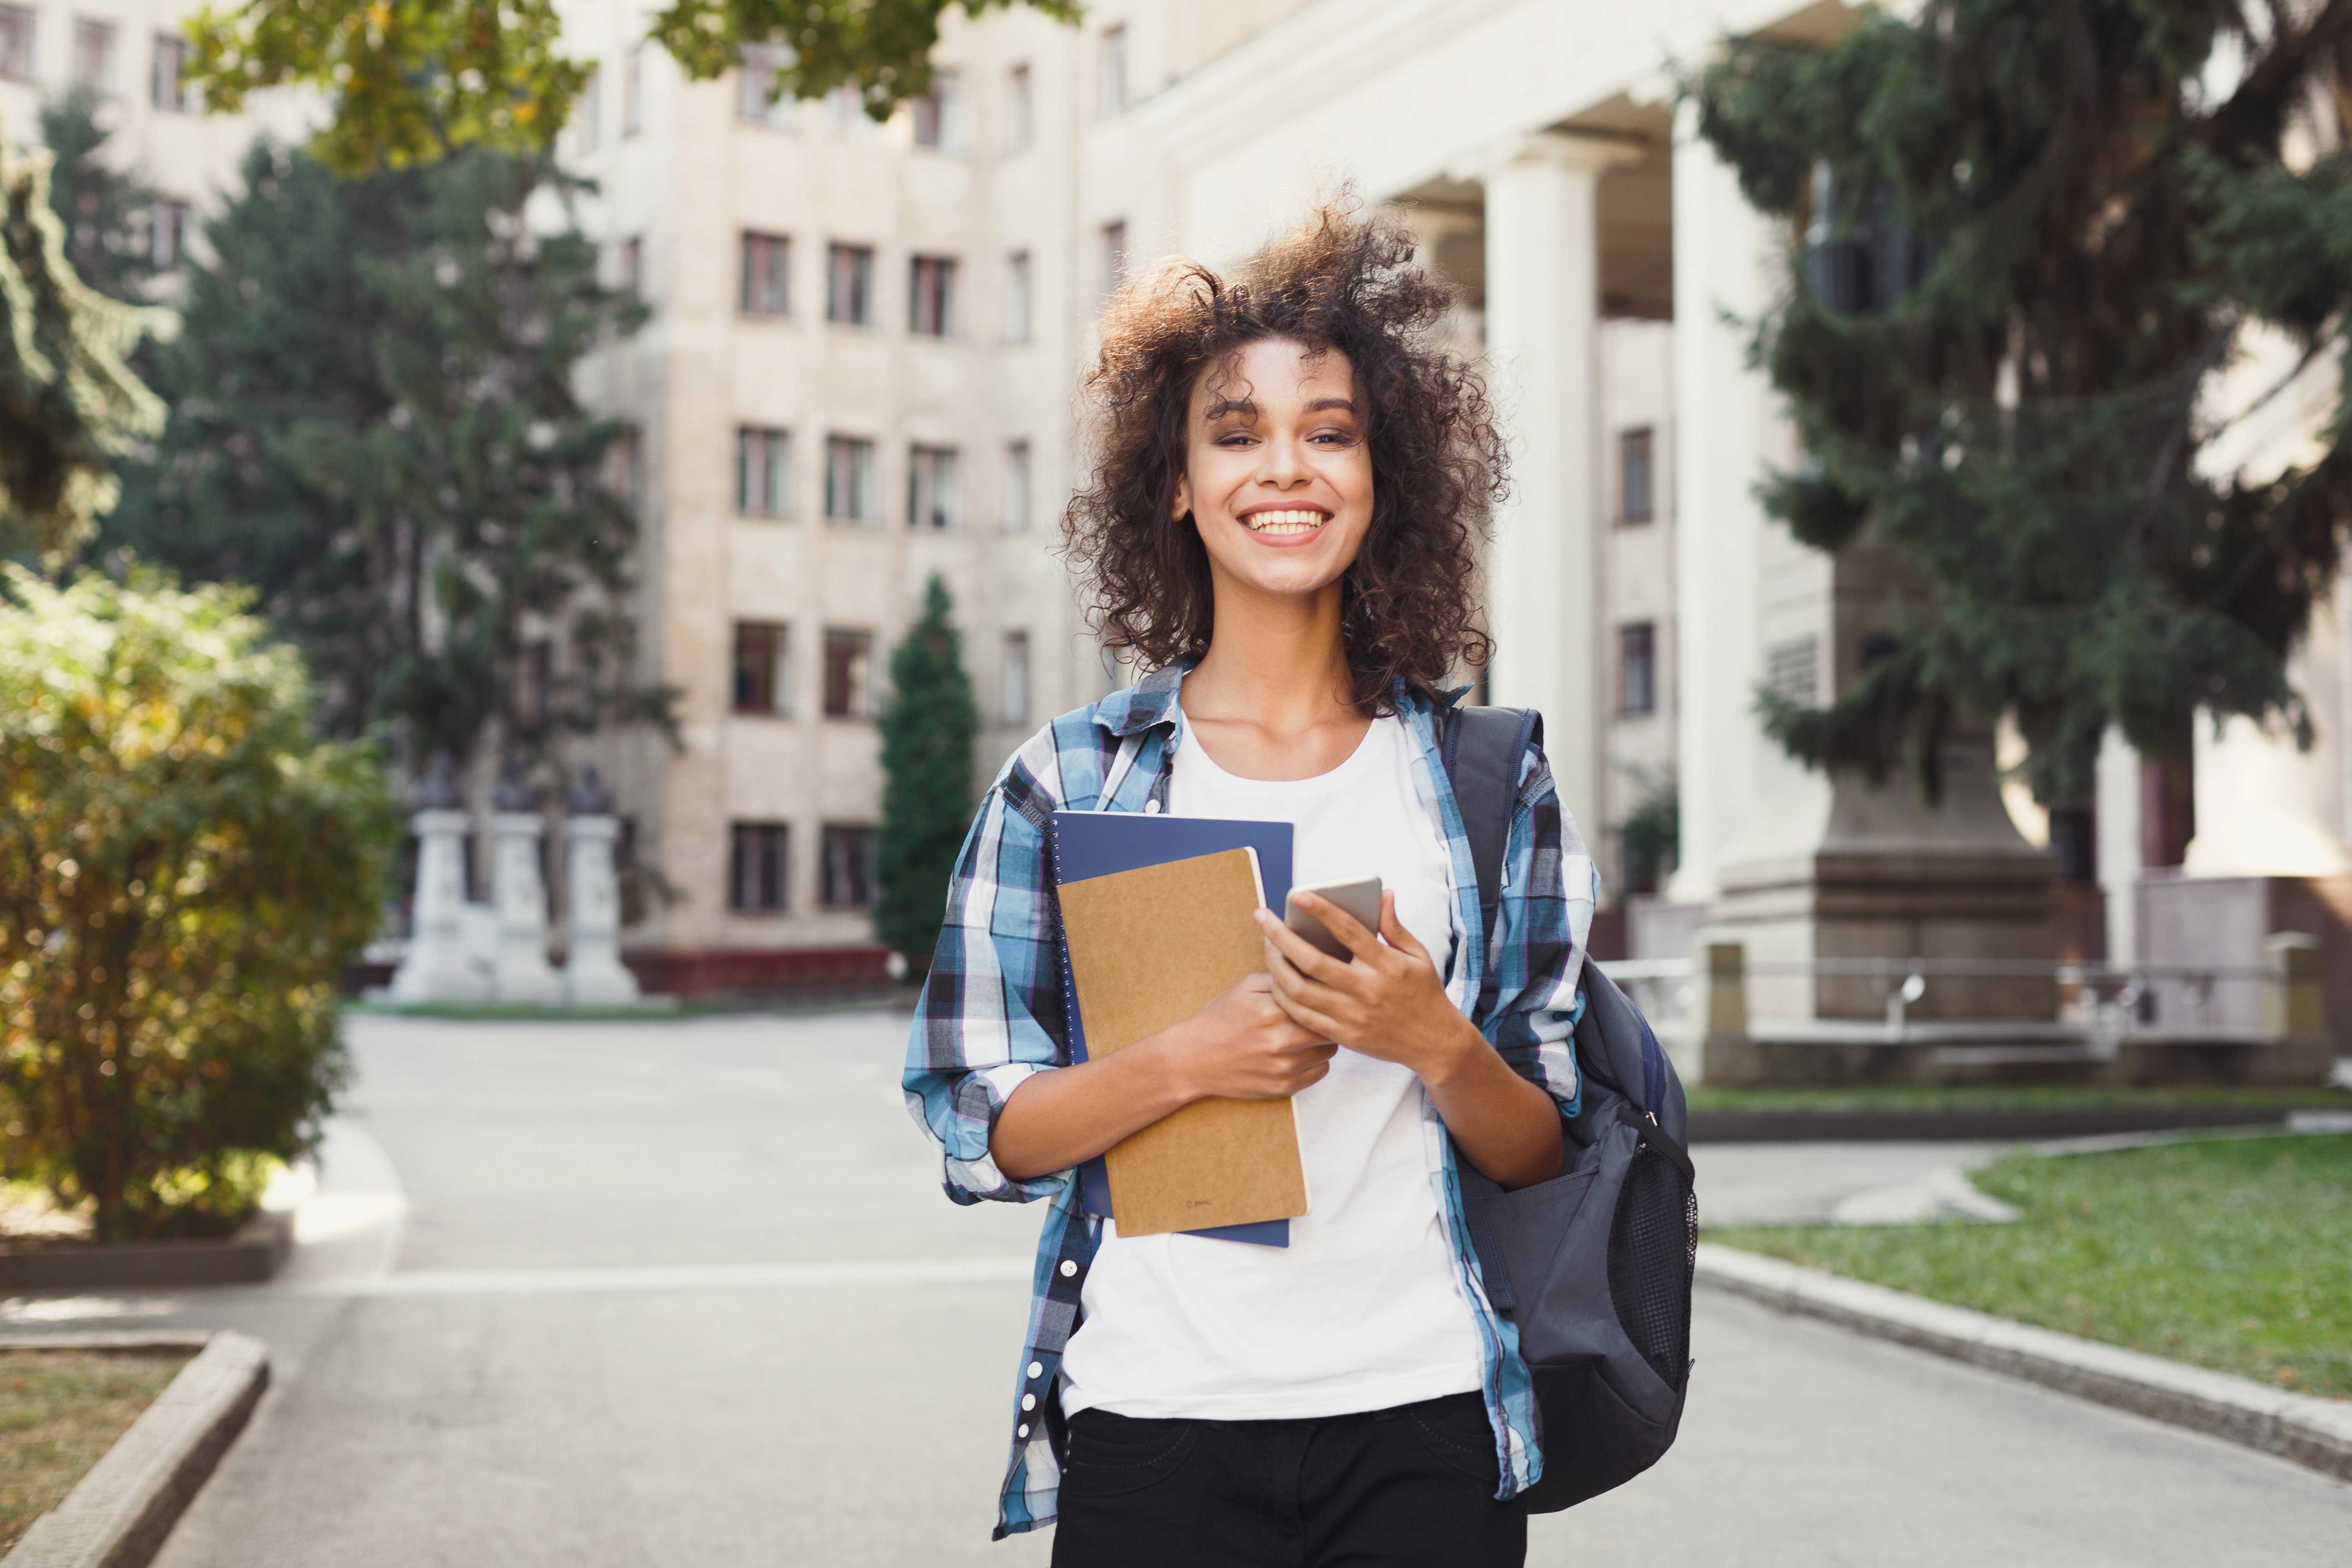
[(1653, 1253)]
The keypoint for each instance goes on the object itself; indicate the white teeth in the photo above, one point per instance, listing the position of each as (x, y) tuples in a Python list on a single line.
[(1298, 520)]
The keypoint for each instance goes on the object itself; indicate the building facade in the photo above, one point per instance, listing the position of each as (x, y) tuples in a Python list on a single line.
[(859, 372)]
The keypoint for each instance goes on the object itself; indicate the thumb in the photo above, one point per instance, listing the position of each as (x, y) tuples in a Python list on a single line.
[(1392, 930)]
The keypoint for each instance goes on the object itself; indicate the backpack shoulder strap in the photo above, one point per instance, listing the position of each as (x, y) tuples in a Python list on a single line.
[(1481, 748)]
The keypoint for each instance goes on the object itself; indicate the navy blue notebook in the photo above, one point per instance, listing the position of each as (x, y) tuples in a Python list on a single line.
[(1099, 842)]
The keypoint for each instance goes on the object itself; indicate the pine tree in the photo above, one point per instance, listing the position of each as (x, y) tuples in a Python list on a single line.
[(2026, 236), (108, 213), (70, 406), (928, 727), (375, 424)]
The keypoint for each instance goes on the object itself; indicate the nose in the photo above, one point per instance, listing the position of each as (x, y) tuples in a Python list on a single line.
[(1282, 462)]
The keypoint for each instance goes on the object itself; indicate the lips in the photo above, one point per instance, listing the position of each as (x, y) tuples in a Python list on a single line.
[(1280, 521)]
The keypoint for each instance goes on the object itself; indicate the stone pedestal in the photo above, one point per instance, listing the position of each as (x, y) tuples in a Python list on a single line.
[(593, 973), (519, 970), (2230, 922), (439, 966), (1891, 877)]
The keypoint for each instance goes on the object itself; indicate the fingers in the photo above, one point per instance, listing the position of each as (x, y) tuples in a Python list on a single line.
[(1343, 925), (1288, 981), (1304, 954)]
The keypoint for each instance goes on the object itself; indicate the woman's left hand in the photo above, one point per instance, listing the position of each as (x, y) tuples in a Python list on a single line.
[(1390, 1002)]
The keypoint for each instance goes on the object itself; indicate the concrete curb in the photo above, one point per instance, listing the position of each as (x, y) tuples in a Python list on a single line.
[(119, 1514), (256, 1251), (2313, 1432)]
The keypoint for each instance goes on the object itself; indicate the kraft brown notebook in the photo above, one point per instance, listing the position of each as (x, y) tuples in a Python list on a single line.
[(1149, 948)]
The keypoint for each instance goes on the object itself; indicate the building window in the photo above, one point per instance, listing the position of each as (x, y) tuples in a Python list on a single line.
[(845, 116), (1017, 487), (849, 479), (933, 498), (1014, 707), (763, 668), (17, 44), (1114, 256), (625, 467), (848, 674), (167, 233), (849, 285), (938, 114), (930, 308), (1016, 298), (94, 57), (758, 99), (588, 114), (1792, 670), (1016, 109), (767, 275), (633, 91), (535, 682), (760, 867), (1634, 489), (848, 867), (764, 472), (164, 88), (1637, 667), (1114, 71), (632, 260)]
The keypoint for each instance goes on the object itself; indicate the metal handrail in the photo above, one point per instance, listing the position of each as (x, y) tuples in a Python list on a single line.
[(2067, 973)]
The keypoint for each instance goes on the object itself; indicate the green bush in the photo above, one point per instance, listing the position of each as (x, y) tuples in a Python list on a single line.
[(185, 871)]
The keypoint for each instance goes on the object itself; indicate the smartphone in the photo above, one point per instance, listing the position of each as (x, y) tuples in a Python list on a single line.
[(1361, 900)]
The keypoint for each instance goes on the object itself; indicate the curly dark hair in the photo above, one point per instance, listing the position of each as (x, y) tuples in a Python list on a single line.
[(1336, 284)]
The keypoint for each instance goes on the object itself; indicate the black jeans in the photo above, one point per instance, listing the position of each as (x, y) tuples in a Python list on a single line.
[(1410, 1485)]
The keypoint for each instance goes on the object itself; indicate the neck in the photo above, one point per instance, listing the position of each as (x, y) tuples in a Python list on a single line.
[(1275, 661)]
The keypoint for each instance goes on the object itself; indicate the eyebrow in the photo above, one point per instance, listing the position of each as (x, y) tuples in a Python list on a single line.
[(1248, 408)]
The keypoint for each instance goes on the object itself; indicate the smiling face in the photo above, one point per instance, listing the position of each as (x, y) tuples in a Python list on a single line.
[(1278, 474)]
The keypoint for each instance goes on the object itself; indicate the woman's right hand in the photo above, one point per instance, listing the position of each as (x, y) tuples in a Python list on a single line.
[(1243, 1046)]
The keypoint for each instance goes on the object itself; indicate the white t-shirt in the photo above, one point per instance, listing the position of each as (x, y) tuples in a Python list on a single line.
[(1361, 1310)]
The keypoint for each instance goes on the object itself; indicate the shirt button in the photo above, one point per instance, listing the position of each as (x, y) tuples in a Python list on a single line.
[(1024, 1430), (1028, 1402), (1037, 1369), (1068, 1269), (1151, 808)]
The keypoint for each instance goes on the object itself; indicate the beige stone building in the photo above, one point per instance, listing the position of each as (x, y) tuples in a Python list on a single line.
[(129, 54), (859, 371)]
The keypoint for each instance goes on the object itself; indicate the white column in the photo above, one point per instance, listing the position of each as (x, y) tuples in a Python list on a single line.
[(2262, 807), (1543, 308), (1724, 419), (520, 972), (437, 967), (595, 973)]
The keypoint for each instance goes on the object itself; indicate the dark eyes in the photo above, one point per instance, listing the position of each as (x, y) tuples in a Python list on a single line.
[(1326, 438)]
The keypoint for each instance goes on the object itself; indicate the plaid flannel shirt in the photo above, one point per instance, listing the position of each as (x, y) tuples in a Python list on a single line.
[(992, 1013)]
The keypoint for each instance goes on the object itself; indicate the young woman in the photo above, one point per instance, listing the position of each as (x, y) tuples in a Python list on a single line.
[(1291, 489)]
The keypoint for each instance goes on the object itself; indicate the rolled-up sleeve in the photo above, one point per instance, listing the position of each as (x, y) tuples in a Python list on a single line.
[(992, 1007), (1550, 890)]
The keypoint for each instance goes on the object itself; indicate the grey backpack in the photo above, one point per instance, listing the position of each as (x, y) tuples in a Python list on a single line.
[(1594, 1265)]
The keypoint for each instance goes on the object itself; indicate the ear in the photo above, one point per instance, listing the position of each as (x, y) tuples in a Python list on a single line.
[(1183, 498)]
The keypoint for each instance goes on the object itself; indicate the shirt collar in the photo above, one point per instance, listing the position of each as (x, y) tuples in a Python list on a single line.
[(1149, 702)]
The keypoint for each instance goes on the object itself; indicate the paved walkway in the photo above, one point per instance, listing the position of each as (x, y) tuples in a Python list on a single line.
[(685, 1293)]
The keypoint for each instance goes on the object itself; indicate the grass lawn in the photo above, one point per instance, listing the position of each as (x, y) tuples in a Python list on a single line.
[(2232, 1253), (59, 1412), (1896, 1096)]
